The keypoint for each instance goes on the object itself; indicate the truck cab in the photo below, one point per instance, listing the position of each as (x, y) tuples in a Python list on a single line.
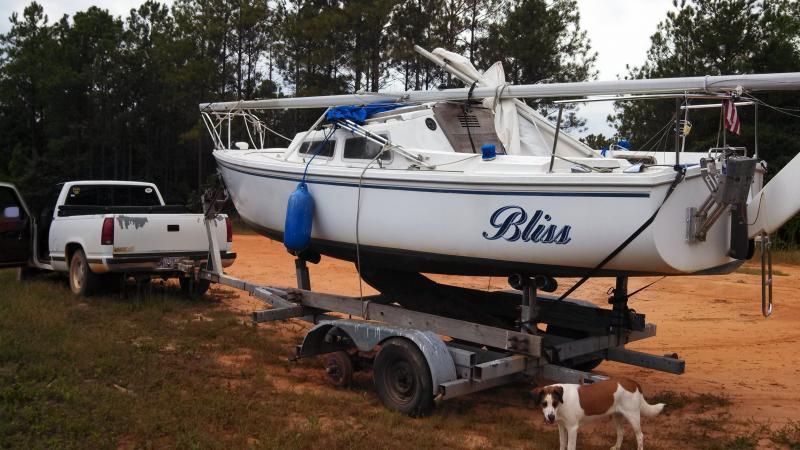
[(16, 236)]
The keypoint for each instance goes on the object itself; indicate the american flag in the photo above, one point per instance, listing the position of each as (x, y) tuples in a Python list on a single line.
[(732, 122)]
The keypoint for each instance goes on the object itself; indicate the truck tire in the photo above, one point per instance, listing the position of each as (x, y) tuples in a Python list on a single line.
[(194, 289), (82, 281), (402, 378)]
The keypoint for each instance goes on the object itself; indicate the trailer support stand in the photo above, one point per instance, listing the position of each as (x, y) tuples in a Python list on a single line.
[(529, 310), (303, 277), (619, 302)]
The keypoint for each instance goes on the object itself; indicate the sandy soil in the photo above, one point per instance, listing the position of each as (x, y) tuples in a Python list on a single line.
[(713, 322)]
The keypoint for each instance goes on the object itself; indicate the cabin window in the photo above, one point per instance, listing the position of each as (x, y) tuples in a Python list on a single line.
[(363, 148), (309, 148)]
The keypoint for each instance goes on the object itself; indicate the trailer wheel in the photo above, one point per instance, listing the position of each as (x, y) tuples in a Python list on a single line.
[(402, 378), (339, 368), (194, 289), (82, 281)]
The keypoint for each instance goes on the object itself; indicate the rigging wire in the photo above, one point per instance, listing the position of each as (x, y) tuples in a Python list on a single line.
[(358, 217), (273, 131), (661, 133), (779, 109)]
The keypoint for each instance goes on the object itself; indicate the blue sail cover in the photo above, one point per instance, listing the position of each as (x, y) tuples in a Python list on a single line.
[(359, 114)]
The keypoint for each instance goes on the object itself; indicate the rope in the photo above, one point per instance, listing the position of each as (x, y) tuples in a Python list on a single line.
[(467, 109), (645, 287), (317, 151), (678, 178), (498, 92), (358, 217)]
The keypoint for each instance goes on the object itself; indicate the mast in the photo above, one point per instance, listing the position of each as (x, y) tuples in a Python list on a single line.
[(706, 84)]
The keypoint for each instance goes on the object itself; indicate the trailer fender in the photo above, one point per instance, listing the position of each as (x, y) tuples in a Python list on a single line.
[(326, 336)]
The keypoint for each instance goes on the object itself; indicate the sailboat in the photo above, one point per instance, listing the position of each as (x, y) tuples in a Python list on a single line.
[(472, 181)]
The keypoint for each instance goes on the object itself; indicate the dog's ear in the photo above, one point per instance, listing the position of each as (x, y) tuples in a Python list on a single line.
[(537, 395), (558, 393)]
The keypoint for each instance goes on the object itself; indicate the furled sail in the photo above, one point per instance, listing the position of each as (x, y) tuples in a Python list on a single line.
[(519, 127)]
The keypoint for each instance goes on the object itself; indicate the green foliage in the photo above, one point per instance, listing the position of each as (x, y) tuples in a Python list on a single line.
[(163, 371), (598, 141), (712, 37), (103, 97)]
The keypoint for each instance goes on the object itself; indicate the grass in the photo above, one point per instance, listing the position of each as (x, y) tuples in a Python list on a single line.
[(788, 436), (160, 371), (156, 372), (678, 401), (788, 257)]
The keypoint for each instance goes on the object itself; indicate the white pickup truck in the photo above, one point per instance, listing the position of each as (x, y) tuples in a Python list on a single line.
[(99, 231)]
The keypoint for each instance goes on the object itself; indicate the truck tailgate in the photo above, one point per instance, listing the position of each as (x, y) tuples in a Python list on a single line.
[(163, 234)]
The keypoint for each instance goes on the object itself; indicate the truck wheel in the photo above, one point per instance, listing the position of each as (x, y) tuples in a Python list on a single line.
[(403, 379), (82, 281), (194, 289), (339, 368)]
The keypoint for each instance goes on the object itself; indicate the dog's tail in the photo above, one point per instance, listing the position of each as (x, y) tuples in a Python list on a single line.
[(649, 410)]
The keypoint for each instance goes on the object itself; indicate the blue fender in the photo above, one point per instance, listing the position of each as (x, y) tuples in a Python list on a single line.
[(299, 219)]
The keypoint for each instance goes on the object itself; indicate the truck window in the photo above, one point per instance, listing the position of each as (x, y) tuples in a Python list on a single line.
[(10, 210), (112, 195)]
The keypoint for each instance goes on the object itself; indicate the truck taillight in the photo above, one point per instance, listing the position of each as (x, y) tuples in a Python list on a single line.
[(107, 235), (229, 229)]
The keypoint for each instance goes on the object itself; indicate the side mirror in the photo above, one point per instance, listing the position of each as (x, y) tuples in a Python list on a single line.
[(11, 212)]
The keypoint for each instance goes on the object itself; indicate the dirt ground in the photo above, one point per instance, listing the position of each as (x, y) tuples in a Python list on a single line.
[(713, 322)]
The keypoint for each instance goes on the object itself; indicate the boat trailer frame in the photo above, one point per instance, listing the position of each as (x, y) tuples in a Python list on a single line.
[(462, 356)]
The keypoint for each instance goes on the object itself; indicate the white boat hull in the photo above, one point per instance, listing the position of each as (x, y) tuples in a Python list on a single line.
[(436, 225)]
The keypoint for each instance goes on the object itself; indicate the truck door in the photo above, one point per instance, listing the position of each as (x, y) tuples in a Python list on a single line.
[(15, 229)]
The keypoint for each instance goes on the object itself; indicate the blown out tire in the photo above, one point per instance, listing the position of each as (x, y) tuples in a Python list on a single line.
[(82, 281), (402, 378), (339, 368)]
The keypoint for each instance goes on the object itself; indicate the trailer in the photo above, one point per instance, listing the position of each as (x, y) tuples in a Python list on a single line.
[(420, 359)]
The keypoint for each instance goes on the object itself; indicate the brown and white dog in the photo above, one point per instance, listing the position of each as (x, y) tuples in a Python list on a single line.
[(570, 404)]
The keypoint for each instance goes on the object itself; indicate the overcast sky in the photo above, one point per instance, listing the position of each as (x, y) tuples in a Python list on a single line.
[(619, 30)]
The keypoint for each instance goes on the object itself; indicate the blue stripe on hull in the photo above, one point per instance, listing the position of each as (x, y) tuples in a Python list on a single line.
[(440, 190)]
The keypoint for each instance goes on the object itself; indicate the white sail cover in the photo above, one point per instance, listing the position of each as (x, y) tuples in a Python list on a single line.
[(521, 129)]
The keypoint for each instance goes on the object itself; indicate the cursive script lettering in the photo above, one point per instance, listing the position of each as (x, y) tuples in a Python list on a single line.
[(512, 223)]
